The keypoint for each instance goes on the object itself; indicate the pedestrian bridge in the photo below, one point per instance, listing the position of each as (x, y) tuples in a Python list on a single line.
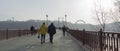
[(75, 40), (32, 43)]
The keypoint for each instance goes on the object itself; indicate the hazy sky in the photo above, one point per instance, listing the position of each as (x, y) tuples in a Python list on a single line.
[(37, 9)]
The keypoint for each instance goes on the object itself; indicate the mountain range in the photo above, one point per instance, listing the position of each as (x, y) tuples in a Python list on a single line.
[(112, 27)]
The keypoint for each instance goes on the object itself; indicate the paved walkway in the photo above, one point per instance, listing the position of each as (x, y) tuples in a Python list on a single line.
[(32, 43)]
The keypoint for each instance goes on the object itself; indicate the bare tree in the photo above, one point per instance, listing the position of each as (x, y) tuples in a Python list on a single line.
[(115, 15), (100, 14)]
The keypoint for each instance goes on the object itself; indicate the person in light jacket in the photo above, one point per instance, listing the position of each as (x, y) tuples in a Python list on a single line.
[(42, 32)]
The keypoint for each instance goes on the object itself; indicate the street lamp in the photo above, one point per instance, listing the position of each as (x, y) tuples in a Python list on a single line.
[(65, 19), (13, 19), (47, 19), (58, 22)]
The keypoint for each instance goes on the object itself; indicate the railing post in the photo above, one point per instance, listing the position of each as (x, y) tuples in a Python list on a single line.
[(114, 43), (83, 38), (7, 33), (109, 41), (27, 31), (118, 36), (100, 39), (19, 32)]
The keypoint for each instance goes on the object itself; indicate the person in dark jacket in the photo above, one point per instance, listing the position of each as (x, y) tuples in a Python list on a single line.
[(51, 31), (64, 29), (32, 29)]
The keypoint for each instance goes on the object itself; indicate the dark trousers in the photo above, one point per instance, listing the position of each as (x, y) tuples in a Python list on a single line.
[(63, 33), (42, 38), (32, 32), (51, 38)]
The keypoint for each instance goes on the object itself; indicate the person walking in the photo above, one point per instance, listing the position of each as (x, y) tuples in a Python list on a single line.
[(64, 29), (35, 30), (32, 30), (43, 31), (51, 31)]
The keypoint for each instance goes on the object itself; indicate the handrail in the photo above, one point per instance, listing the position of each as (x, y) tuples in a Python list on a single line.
[(97, 40), (10, 33)]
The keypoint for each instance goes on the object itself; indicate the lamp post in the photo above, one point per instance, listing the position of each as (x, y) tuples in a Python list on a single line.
[(47, 19), (58, 22), (13, 19), (65, 19)]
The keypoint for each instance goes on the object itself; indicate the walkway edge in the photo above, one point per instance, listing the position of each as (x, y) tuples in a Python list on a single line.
[(85, 47)]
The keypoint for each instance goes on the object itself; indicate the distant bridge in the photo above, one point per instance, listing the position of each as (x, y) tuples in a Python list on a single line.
[(80, 21)]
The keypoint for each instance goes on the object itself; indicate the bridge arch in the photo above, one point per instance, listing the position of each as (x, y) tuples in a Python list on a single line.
[(81, 21)]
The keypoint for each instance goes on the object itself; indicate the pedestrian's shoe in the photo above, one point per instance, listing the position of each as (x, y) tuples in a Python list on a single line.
[(41, 42), (38, 37), (51, 42)]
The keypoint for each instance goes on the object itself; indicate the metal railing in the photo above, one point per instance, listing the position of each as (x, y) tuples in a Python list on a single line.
[(98, 41), (9, 33)]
